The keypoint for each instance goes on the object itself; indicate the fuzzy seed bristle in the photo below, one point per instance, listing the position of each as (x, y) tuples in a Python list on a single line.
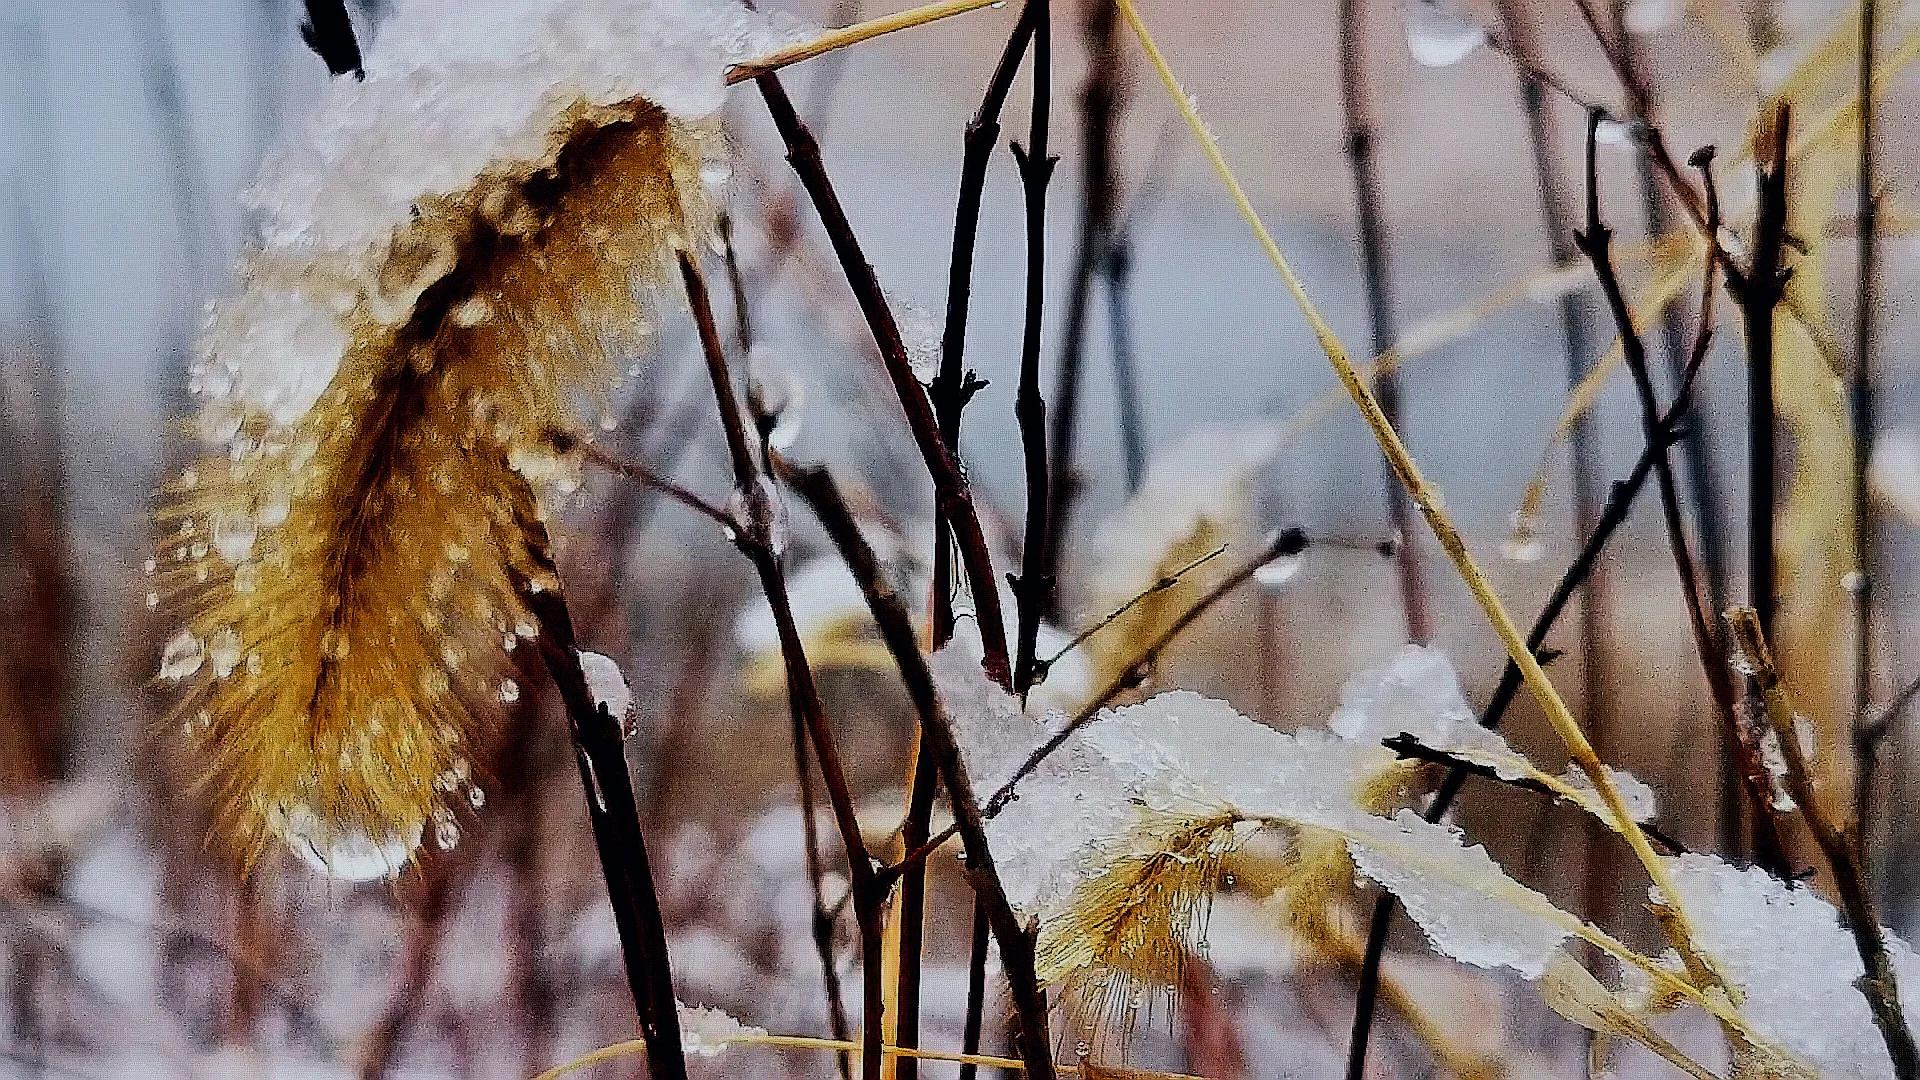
[(345, 572)]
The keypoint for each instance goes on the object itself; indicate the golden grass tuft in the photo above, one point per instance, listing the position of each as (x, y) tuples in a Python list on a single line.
[(344, 579)]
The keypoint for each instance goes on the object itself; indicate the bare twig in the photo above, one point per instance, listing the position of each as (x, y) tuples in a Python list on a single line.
[(753, 536), (600, 749), (1878, 984), (1759, 298), (950, 485), (1596, 243), (1167, 581), (1014, 937), (1377, 281), (1100, 99), (1033, 588)]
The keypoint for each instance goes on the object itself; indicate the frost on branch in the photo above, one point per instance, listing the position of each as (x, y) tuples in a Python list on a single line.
[(449, 253), (1785, 950)]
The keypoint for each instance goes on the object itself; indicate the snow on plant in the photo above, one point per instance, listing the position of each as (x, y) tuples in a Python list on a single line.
[(449, 256), (1117, 843)]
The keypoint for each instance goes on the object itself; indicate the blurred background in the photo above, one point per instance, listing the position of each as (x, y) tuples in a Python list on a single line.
[(130, 126)]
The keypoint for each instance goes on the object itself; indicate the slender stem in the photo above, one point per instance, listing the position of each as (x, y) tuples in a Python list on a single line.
[(600, 749), (1099, 108), (950, 485), (1118, 269), (981, 937), (1596, 243), (953, 386), (1033, 588), (752, 537), (1865, 410), (1878, 985), (1376, 278), (1759, 300), (1014, 936)]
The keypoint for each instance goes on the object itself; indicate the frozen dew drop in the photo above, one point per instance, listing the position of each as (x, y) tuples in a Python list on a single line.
[(763, 508), (1652, 16), (182, 656), (233, 538), (342, 852), (1437, 36), (1275, 573), (607, 684), (524, 628), (149, 566), (153, 600), (446, 831), (476, 798), (1854, 582), (1523, 549), (509, 691), (223, 652)]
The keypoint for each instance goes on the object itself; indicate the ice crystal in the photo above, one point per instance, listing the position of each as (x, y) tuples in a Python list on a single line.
[(708, 1032)]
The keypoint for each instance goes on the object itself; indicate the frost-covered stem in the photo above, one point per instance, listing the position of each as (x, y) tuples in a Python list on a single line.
[(1765, 285), (1865, 413), (1033, 587), (1286, 543), (1878, 984), (1099, 111), (951, 494), (1014, 937), (1377, 281), (953, 385), (1427, 500), (752, 537), (600, 749)]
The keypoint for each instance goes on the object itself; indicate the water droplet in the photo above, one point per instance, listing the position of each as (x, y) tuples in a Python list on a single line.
[(233, 537), (343, 852), (1277, 572), (446, 833), (762, 508), (1652, 16), (509, 691), (1854, 582), (182, 656), (149, 566), (254, 664), (1438, 36), (476, 798), (153, 600), (223, 651)]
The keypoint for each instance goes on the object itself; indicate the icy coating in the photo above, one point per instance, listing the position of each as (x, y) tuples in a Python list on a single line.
[(453, 91), (1182, 753), (1793, 963)]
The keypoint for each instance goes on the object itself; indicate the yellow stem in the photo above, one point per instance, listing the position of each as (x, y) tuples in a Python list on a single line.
[(801, 1042), (1429, 502), (853, 35)]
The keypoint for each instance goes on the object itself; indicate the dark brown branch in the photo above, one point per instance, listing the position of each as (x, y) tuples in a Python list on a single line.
[(953, 386), (1013, 935), (1878, 984), (755, 540), (1033, 588), (1596, 243), (600, 749), (1100, 100), (1412, 749), (951, 494), (1376, 278), (1760, 298)]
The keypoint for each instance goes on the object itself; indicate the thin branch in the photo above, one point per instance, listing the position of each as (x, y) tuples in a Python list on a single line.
[(1166, 582), (755, 541), (954, 385), (1013, 935), (600, 749), (1878, 985), (1760, 297), (1596, 243), (1099, 107), (762, 66), (951, 493), (1377, 281), (1033, 588), (666, 485)]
